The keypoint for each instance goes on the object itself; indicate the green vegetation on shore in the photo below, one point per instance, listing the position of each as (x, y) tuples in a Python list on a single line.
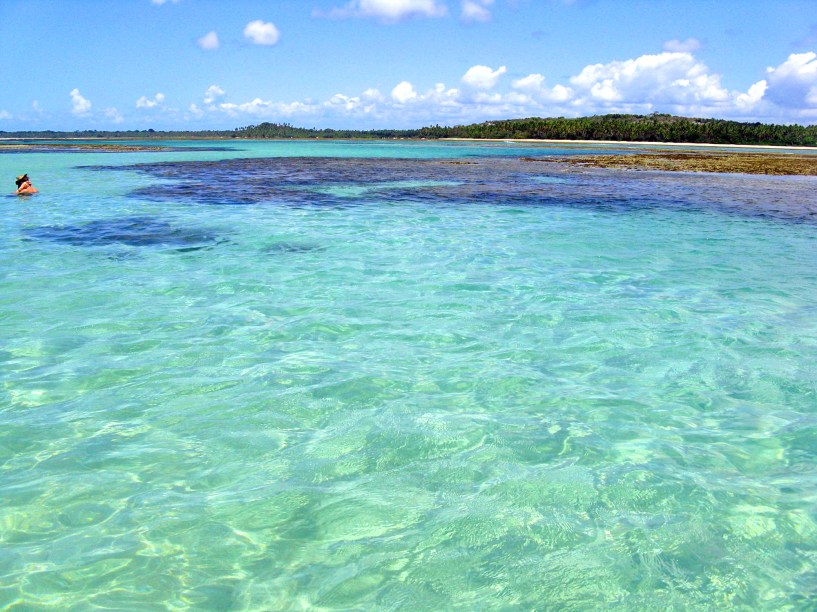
[(284, 130), (635, 128), (631, 128)]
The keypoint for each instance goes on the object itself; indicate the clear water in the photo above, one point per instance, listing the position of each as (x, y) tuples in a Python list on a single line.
[(358, 383)]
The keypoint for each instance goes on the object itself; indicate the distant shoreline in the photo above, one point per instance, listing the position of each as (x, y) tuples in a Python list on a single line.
[(611, 129), (633, 143), (644, 155), (640, 143)]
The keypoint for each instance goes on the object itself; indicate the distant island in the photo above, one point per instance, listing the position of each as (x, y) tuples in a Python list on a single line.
[(655, 128)]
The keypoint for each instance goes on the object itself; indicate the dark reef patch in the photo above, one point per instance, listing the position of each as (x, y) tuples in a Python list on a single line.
[(342, 182), (291, 247), (130, 231)]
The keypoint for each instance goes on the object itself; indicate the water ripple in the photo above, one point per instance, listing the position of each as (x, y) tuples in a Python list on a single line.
[(409, 383)]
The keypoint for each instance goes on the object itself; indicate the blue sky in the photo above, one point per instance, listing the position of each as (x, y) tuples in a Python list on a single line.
[(364, 64)]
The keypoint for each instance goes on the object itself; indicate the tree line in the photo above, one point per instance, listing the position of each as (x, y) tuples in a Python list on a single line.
[(285, 130), (632, 128)]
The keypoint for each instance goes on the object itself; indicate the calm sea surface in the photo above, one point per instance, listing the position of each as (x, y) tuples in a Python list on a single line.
[(350, 376)]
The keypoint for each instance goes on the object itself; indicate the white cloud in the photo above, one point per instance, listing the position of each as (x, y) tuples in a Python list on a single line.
[(5, 114), (262, 33), (79, 105), (161, 2), (668, 78), (209, 42), (403, 92), (751, 98), (560, 93), (114, 115), (690, 45), (388, 11), (671, 82), (346, 104), (213, 94), (793, 84), (534, 86), (476, 10), (255, 107), (482, 77), (367, 104), (144, 102), (372, 94), (532, 82), (266, 108)]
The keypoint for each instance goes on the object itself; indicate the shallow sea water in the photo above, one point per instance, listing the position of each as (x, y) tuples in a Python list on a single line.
[(344, 376)]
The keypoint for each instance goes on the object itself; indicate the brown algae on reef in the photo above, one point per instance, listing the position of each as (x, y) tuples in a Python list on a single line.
[(780, 164)]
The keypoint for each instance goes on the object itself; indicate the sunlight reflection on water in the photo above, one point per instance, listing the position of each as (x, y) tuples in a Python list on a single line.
[(437, 383)]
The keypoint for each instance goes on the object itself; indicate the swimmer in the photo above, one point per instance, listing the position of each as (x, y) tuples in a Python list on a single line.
[(24, 186)]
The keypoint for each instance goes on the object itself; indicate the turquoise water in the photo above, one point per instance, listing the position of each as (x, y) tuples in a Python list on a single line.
[(352, 376)]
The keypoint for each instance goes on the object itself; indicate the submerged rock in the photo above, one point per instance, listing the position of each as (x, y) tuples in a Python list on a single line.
[(291, 247), (131, 231), (516, 182)]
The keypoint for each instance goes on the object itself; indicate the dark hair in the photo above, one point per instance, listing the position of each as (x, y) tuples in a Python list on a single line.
[(21, 180)]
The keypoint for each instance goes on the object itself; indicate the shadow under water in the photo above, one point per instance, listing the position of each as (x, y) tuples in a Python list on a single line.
[(131, 231), (310, 181), (290, 248)]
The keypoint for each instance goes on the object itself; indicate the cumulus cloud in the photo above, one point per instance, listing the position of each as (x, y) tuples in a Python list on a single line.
[(690, 45), (403, 92), (209, 42), (672, 82), (387, 11), (372, 94), (213, 94), (404, 106), (367, 104), (345, 106), (112, 114), (79, 105), (793, 84), (750, 99), (262, 33), (534, 86), (668, 78), (483, 77), (265, 108), (532, 82), (144, 102), (476, 10), (5, 114)]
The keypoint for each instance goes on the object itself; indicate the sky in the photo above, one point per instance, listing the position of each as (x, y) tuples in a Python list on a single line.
[(368, 64)]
